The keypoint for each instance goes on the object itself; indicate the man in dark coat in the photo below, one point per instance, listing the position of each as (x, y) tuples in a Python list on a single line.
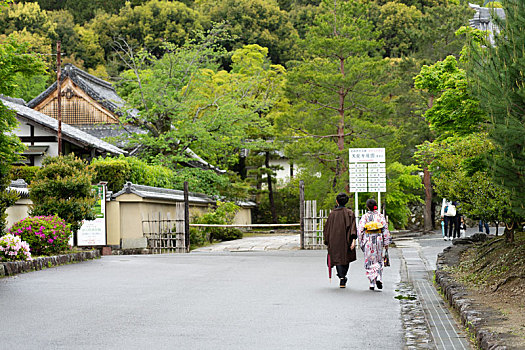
[(340, 234)]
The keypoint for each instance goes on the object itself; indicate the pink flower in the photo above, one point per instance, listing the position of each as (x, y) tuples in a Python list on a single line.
[(50, 240)]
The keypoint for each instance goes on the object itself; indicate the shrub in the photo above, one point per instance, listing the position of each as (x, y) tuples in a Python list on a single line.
[(115, 171), (223, 215), (12, 248), (46, 235), (63, 187), (27, 173)]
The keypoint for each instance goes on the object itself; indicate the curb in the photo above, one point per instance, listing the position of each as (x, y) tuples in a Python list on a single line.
[(472, 318), (12, 268)]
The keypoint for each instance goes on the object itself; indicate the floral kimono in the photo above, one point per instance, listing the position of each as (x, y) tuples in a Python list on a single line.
[(372, 245)]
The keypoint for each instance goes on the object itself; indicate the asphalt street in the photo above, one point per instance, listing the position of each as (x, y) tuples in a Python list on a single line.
[(230, 300)]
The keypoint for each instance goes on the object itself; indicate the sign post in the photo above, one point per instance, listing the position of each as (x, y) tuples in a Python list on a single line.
[(367, 173)]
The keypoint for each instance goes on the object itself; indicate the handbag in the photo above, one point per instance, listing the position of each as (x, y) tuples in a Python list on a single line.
[(386, 259), (450, 210)]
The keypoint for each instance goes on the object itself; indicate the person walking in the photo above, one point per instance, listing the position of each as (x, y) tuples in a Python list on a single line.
[(448, 213), (374, 238), (340, 238)]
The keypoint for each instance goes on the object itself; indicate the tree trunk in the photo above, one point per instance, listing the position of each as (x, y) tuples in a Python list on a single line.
[(334, 182), (270, 188), (428, 200), (509, 232)]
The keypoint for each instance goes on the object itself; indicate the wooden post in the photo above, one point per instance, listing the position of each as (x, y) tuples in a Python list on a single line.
[(186, 217), (59, 102), (301, 210)]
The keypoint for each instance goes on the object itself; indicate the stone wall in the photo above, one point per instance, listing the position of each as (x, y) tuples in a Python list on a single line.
[(11, 268), (474, 318)]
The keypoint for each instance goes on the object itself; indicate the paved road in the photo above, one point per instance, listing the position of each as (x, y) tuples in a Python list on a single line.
[(257, 293), (233, 300)]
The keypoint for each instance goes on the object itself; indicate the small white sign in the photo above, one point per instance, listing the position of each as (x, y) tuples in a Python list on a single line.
[(93, 232)]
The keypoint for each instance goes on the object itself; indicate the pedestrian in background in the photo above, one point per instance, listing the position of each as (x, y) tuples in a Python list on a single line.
[(340, 237), (486, 224), (448, 214), (374, 239)]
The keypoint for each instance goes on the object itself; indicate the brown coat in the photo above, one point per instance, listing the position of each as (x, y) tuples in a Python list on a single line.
[(339, 232)]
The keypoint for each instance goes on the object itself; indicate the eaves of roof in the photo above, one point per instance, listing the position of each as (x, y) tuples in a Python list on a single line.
[(70, 133)]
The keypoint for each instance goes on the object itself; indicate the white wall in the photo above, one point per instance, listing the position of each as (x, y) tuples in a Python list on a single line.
[(24, 129), (282, 175)]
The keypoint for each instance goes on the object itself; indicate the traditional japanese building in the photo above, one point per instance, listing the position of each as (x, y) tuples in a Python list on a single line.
[(39, 133)]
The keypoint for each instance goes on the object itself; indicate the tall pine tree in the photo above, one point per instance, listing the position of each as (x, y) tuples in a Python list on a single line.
[(498, 72)]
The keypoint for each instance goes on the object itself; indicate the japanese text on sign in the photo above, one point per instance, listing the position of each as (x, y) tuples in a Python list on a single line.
[(367, 155)]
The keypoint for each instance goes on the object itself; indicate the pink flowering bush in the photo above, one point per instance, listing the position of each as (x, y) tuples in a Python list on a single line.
[(46, 235), (12, 248)]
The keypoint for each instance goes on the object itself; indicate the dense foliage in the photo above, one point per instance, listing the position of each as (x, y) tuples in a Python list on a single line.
[(117, 171), (62, 187), (27, 173)]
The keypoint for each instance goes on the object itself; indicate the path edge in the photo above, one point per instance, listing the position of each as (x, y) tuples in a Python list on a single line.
[(456, 294), (11, 268)]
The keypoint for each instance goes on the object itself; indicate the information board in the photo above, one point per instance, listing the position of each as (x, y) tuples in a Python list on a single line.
[(367, 170), (93, 232)]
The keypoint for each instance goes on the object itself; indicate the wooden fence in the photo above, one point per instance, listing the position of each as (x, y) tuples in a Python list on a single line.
[(165, 234), (313, 221)]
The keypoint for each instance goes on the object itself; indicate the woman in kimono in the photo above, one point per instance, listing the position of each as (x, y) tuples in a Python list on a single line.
[(374, 239), (340, 236)]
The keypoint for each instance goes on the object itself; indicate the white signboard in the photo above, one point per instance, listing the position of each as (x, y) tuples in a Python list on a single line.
[(367, 170), (367, 155), (93, 232)]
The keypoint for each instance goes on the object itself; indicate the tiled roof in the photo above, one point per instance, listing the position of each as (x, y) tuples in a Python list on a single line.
[(163, 194), (69, 132), (99, 90), (19, 186)]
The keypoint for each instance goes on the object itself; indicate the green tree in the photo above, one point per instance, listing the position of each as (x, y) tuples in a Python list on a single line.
[(63, 187), (399, 25), (15, 59), (147, 26), (259, 22), (334, 91), (460, 172), (265, 82), (453, 110), (440, 21), (403, 185), (29, 16), (497, 73), (186, 102)]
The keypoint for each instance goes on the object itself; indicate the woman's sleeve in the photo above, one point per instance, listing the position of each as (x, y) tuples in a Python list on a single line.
[(387, 238)]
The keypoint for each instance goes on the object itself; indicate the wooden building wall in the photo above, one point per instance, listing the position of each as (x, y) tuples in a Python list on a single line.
[(77, 107)]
